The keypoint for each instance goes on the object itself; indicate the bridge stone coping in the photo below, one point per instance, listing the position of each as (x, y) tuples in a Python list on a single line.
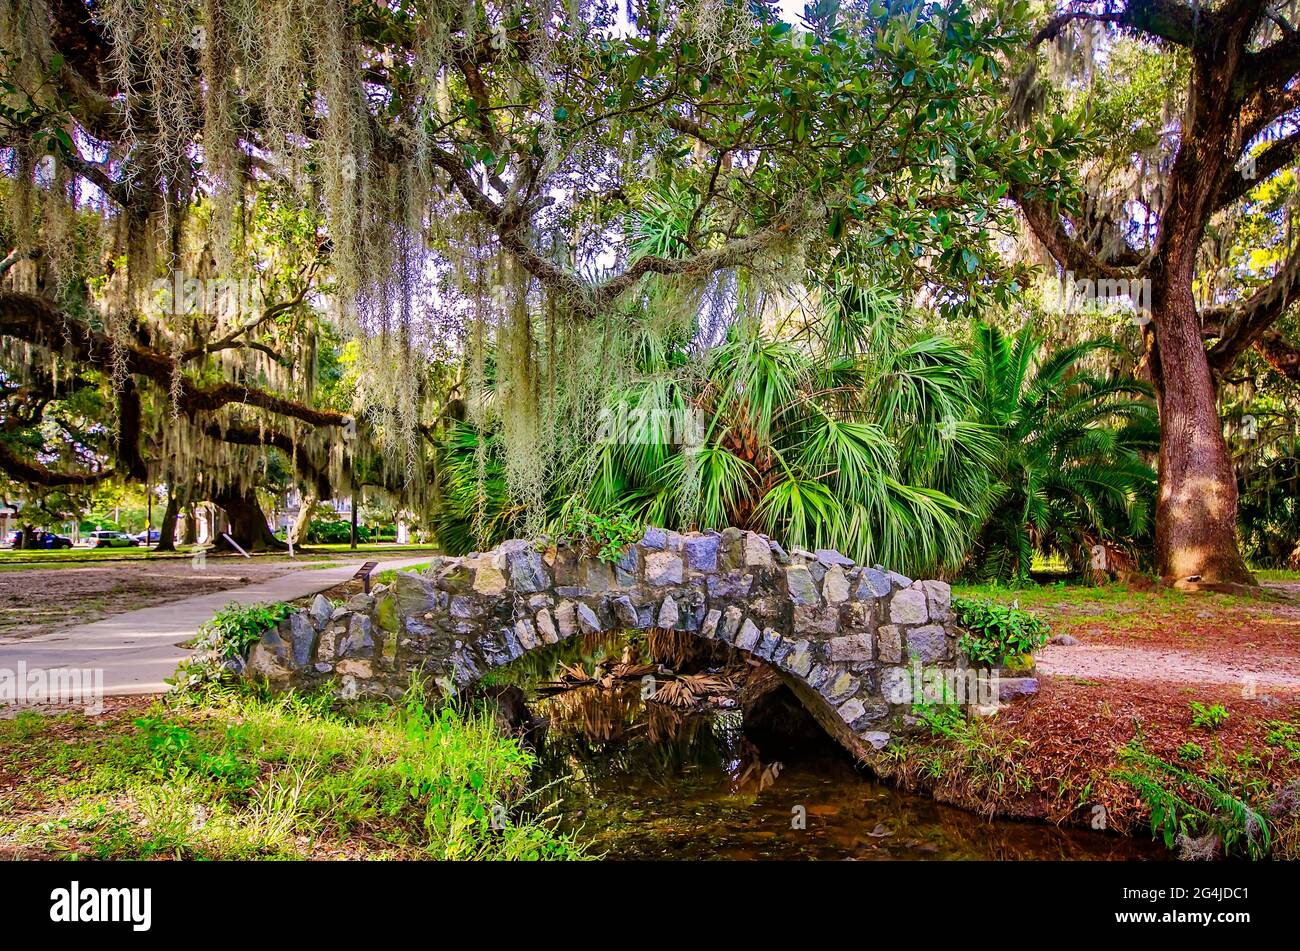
[(848, 639)]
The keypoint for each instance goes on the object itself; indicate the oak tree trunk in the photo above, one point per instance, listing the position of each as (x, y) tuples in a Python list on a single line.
[(248, 525), (167, 529), (1196, 505), (191, 525), (298, 531)]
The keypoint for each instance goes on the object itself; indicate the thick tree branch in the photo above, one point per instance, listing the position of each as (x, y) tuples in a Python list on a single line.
[(1246, 323), (1279, 353), (251, 436), (35, 320), (34, 473), (1168, 20), (1067, 250), (1276, 157)]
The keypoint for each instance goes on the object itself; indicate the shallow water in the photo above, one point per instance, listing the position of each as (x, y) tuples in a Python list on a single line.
[(641, 781)]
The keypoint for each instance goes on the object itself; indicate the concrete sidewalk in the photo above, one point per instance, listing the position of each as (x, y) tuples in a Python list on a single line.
[(139, 649)]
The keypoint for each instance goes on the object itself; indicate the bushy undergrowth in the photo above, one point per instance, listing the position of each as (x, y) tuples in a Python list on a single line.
[(237, 775), (226, 638), (606, 535), (994, 632)]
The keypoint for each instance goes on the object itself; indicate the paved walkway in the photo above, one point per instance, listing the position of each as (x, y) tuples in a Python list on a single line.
[(138, 650)]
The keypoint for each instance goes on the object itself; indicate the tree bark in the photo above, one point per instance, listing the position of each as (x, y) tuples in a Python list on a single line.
[(1196, 503), (167, 527), (248, 525), (298, 531), (191, 525)]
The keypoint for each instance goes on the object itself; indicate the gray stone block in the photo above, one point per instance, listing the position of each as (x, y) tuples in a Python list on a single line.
[(546, 627), (587, 619), (321, 610), (839, 687), (1010, 688), (908, 607), (928, 644), (851, 647), (938, 599), (527, 572), (767, 647), (360, 640), (758, 552), (890, 640), (799, 583), (302, 636), (668, 614), (710, 627), (663, 568), (655, 539), (835, 585), (747, 640), (526, 634), (566, 618), (873, 583), (702, 553), (730, 586), (625, 612), (731, 619)]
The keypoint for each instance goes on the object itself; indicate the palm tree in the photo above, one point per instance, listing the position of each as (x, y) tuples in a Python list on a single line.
[(1069, 472), (808, 435)]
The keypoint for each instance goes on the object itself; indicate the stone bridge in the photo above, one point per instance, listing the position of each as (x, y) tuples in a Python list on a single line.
[(846, 638)]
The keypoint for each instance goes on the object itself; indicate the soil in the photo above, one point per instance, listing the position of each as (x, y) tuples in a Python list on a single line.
[(1141, 661), (42, 600)]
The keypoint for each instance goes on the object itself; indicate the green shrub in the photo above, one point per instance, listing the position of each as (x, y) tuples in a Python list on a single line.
[(995, 632), (229, 634), (237, 627), (334, 532), (608, 535)]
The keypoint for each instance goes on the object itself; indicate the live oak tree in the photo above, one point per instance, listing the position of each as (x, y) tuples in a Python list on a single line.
[(1229, 125), (524, 187), (126, 354)]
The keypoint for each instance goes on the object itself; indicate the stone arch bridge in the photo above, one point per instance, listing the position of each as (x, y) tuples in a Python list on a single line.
[(848, 639)]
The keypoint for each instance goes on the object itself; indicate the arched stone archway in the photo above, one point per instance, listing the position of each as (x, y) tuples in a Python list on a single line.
[(848, 639)]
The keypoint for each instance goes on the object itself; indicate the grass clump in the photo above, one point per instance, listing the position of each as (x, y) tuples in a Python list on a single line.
[(224, 641), (237, 774)]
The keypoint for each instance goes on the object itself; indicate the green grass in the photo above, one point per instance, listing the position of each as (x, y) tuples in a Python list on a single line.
[(1116, 597), (244, 776), (389, 575), (24, 559)]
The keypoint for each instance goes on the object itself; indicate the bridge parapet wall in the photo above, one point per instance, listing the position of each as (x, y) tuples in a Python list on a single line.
[(849, 639)]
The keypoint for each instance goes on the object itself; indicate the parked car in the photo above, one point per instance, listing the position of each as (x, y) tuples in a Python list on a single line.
[(40, 539), (150, 537), (109, 539), (54, 540)]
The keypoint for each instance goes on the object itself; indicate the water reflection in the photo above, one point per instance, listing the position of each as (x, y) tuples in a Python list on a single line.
[(644, 781)]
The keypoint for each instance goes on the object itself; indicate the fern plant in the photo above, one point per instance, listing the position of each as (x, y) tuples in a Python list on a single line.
[(1185, 805)]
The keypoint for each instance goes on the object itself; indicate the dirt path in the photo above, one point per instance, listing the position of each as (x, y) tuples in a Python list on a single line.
[(1251, 645), (136, 651), (38, 601), (1123, 662)]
